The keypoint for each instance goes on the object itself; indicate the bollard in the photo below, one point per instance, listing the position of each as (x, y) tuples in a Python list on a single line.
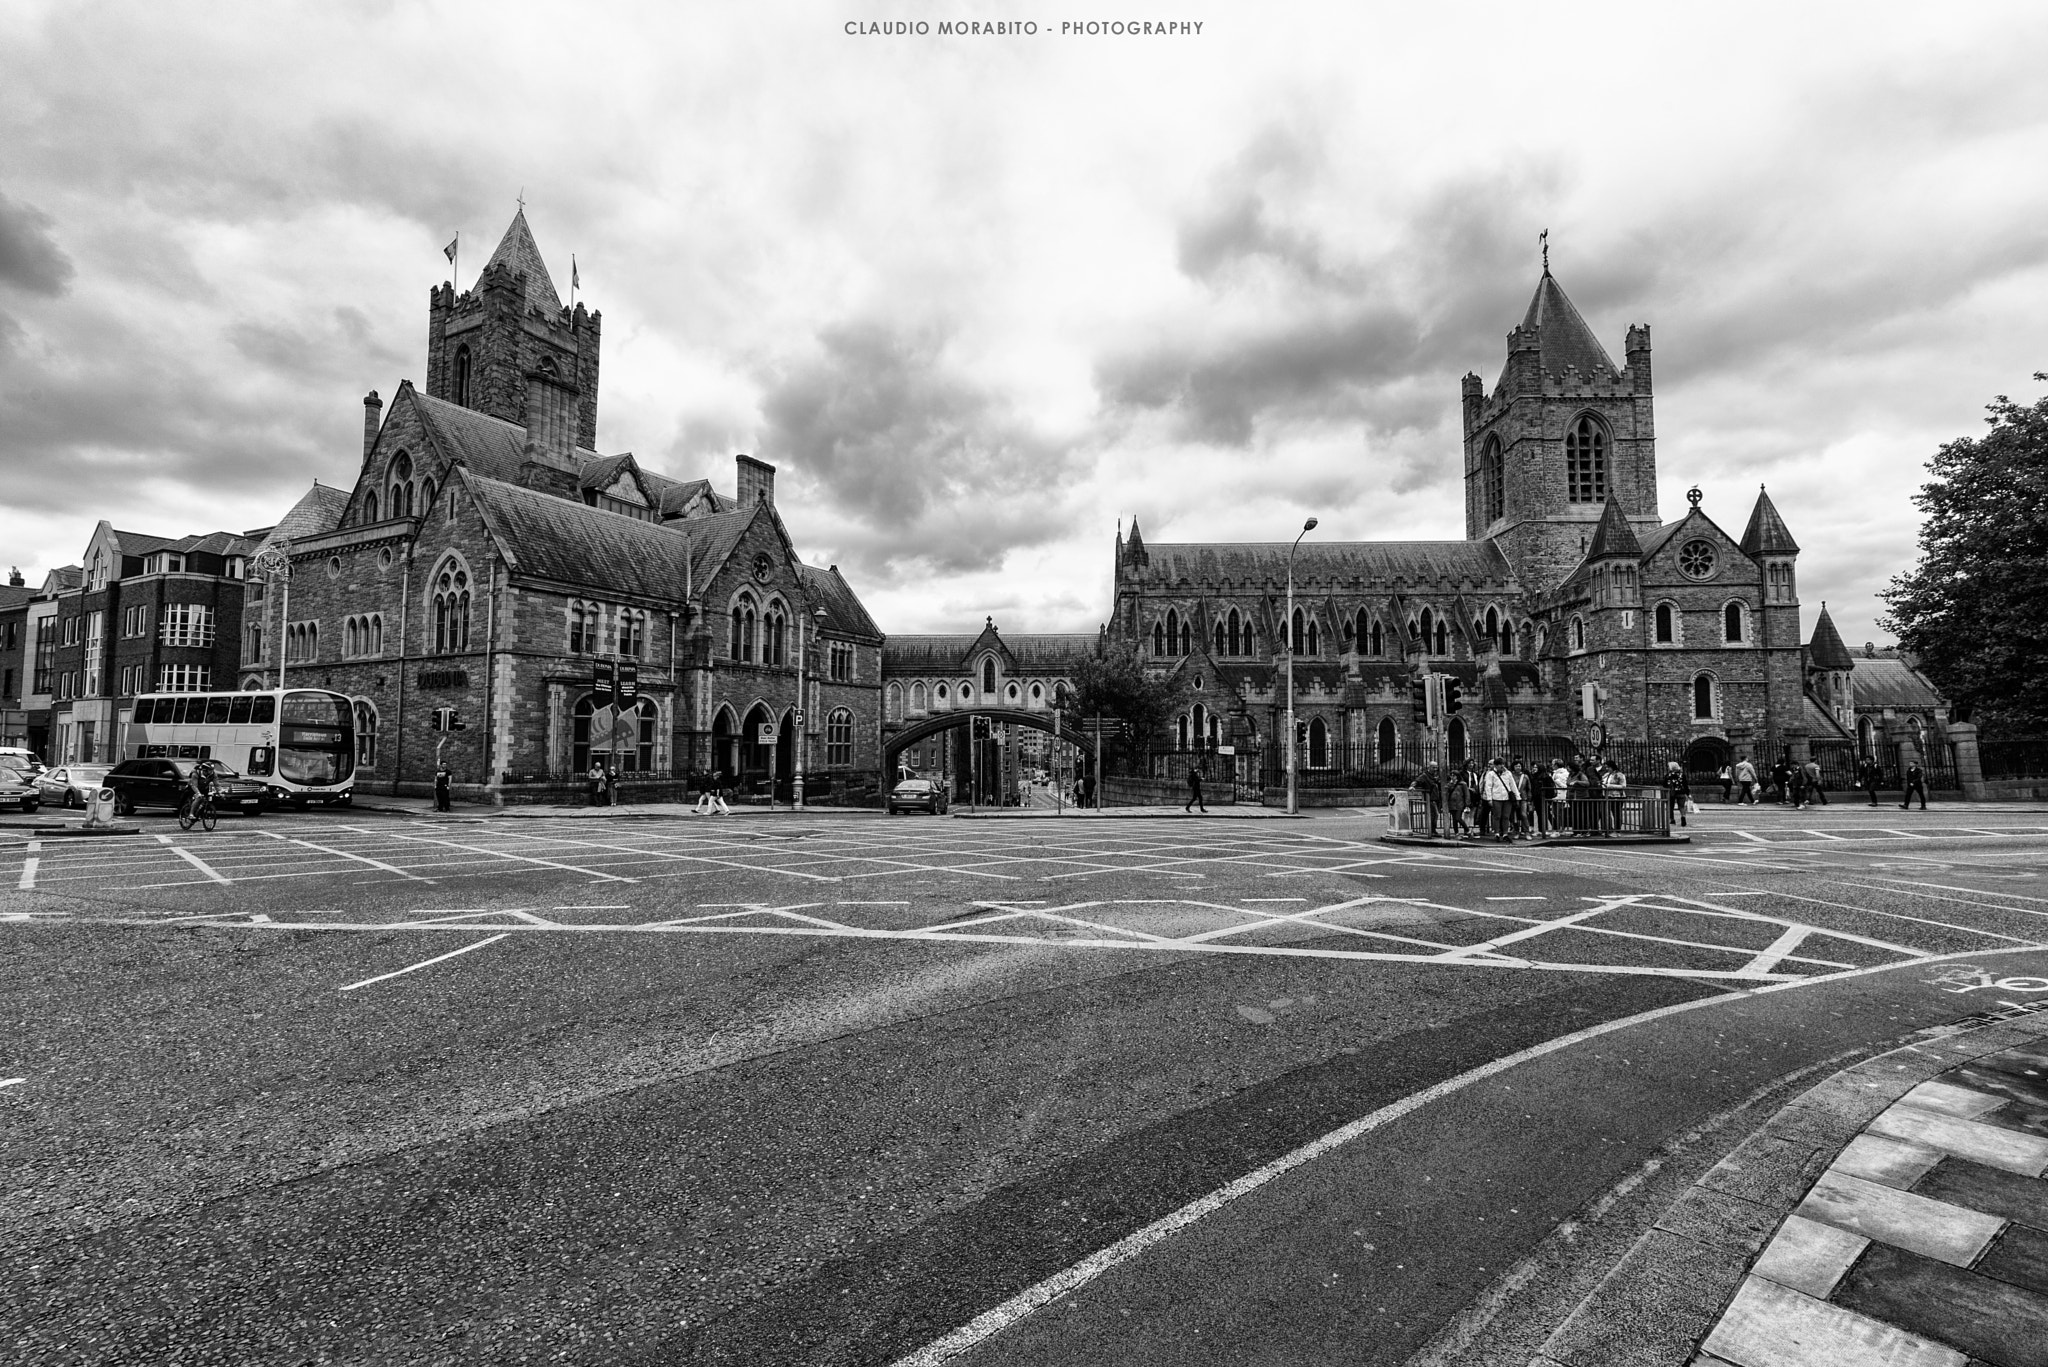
[(99, 810)]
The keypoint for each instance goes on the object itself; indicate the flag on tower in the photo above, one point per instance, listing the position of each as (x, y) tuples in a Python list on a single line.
[(449, 250), (575, 280)]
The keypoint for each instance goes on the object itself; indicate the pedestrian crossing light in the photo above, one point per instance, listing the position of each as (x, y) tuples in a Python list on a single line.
[(445, 719), (1454, 701)]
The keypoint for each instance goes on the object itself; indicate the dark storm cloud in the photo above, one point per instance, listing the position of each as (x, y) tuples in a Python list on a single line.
[(30, 258), (1295, 328), (937, 469)]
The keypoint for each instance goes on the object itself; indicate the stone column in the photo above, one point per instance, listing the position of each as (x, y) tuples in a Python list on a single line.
[(1797, 748), (1969, 767)]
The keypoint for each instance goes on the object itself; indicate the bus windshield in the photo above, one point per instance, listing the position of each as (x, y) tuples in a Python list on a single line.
[(316, 741)]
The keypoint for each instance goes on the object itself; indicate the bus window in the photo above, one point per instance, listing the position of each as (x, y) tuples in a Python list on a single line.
[(170, 711), (144, 707), (217, 710), (265, 711), (239, 715), (315, 709)]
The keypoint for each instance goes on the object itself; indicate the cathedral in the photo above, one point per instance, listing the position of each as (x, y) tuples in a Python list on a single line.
[(1570, 614)]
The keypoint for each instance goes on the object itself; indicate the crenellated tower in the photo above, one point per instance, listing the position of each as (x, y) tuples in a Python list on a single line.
[(507, 346), (1564, 433)]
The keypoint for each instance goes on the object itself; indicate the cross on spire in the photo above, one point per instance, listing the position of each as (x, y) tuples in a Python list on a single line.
[(521, 198), (1544, 238)]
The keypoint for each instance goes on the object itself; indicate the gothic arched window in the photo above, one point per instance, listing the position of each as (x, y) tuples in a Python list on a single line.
[(774, 636), (1492, 483), (1443, 638), (1578, 633), (451, 608), (1703, 697), (1234, 632), (1217, 636), (1294, 639), (1507, 637), (988, 676), (1158, 639), (400, 501), (1186, 637), (1385, 747), (1376, 646), (1315, 645), (1318, 744), (1731, 623), (461, 387), (1585, 461), (1428, 628), (370, 507)]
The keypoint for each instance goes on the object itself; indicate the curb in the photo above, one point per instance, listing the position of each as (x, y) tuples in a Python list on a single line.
[(1591, 841), (1667, 1293)]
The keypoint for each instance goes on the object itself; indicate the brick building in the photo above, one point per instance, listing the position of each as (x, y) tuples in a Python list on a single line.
[(1568, 593), (14, 599), (142, 614), (486, 559)]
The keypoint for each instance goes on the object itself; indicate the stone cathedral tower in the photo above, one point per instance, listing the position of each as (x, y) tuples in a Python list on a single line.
[(1564, 431), (508, 347)]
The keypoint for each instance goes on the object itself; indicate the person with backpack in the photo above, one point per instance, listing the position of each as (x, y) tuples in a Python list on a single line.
[(1745, 781)]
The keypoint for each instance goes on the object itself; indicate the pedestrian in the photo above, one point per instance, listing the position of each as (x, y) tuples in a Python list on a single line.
[(1795, 790), (1525, 823), (1582, 789), (1560, 793), (1745, 781), (1816, 791), (1195, 790), (1678, 791), (611, 786), (442, 778), (1727, 778), (1916, 782), (1873, 775), (595, 780), (1780, 790), (1457, 798), (1543, 796), (1499, 795), (711, 802), (1430, 786), (1612, 781)]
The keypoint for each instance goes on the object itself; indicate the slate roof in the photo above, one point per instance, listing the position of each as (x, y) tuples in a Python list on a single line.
[(1564, 340), (676, 494), (1329, 563), (1613, 536), (945, 654), (1892, 683), (518, 252), (843, 608), (564, 541), (1825, 650), (14, 595), (1819, 721), (317, 513), (63, 577), (1767, 533)]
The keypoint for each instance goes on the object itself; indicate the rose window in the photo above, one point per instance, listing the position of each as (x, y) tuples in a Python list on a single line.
[(1696, 559)]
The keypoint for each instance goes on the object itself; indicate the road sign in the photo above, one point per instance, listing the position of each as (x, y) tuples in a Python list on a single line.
[(1597, 734), (765, 733)]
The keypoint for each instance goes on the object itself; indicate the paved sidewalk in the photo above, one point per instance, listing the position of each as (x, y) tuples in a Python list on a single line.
[(1924, 1243)]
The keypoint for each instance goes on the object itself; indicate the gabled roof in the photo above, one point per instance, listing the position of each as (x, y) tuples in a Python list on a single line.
[(489, 446), (1613, 535), (1563, 338), (1825, 650), (518, 252), (14, 595), (1257, 564), (1819, 721), (562, 540), (62, 578), (1891, 683), (1767, 533), (927, 654), (317, 513), (828, 589)]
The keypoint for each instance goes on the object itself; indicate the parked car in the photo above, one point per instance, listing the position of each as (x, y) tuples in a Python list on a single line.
[(917, 795), (70, 785), (17, 788), (161, 783), (21, 759)]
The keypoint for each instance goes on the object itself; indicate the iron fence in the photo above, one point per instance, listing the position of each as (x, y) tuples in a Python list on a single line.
[(2011, 759), (1633, 809)]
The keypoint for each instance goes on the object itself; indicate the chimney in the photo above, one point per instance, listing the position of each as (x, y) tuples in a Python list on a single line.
[(373, 417), (756, 481), (550, 421), (14, 578)]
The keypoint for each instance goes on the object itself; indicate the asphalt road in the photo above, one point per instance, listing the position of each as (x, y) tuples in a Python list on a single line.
[(829, 1088)]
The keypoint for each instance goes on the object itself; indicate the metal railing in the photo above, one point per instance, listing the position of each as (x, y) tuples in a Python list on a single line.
[(1632, 809)]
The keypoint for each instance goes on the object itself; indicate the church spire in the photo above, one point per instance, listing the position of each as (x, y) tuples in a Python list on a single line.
[(1613, 536), (519, 254), (1767, 533)]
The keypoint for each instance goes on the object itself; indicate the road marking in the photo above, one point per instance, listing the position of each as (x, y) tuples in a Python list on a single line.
[(28, 873), (12, 1081), (522, 858), (619, 906), (1518, 899), (1272, 899), (1778, 949), (871, 904), (344, 854), (163, 840), (381, 977), (200, 864)]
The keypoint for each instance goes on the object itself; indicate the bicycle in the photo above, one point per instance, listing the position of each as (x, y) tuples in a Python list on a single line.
[(197, 810)]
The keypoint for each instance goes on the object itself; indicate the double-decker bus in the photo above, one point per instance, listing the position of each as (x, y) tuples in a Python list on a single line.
[(299, 741)]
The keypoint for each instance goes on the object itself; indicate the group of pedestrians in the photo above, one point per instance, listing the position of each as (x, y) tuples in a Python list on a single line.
[(1511, 800), (1786, 784)]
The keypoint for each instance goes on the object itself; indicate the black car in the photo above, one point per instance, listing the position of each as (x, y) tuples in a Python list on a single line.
[(162, 783), (918, 795)]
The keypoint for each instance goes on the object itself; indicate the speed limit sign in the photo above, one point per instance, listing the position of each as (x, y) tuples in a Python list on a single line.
[(1597, 733)]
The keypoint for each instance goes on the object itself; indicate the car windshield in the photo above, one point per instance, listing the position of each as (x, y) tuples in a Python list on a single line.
[(86, 773)]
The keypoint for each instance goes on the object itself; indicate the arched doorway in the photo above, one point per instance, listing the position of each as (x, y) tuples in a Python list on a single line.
[(785, 757), (724, 756), (757, 760), (1456, 736)]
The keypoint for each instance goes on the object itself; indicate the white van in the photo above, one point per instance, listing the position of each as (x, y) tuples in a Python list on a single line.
[(14, 757)]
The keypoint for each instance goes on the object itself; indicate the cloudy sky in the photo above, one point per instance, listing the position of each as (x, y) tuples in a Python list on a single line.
[(980, 297)]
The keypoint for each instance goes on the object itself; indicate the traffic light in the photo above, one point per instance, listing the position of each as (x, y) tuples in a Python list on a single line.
[(1418, 696), (982, 728), (1454, 701), (445, 719), (1301, 733)]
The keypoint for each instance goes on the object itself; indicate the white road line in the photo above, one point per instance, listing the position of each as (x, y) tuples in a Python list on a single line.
[(28, 874), (200, 864), (424, 963), (871, 904), (344, 854), (1272, 899), (12, 1081), (163, 840), (1779, 948), (521, 858), (1518, 899)]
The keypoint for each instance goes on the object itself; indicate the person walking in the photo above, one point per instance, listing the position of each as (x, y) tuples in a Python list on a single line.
[(1873, 775), (1796, 786), (1542, 796), (1727, 777), (442, 778), (1612, 781), (1916, 782), (1195, 790), (1745, 781), (1499, 794), (595, 780), (611, 786), (1816, 791), (1457, 798), (1678, 791)]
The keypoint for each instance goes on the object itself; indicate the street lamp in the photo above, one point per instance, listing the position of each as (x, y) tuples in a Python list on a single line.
[(803, 735), (1287, 634), (276, 562)]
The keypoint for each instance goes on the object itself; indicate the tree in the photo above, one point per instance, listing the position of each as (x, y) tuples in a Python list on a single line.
[(1114, 685), (1975, 610)]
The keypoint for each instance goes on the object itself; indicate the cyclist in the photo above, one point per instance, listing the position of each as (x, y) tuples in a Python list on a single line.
[(199, 787)]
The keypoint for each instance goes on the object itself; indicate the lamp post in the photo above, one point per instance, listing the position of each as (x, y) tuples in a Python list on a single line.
[(803, 735), (274, 563), (1287, 634)]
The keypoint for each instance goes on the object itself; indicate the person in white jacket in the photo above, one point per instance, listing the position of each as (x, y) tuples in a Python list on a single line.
[(1501, 798)]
